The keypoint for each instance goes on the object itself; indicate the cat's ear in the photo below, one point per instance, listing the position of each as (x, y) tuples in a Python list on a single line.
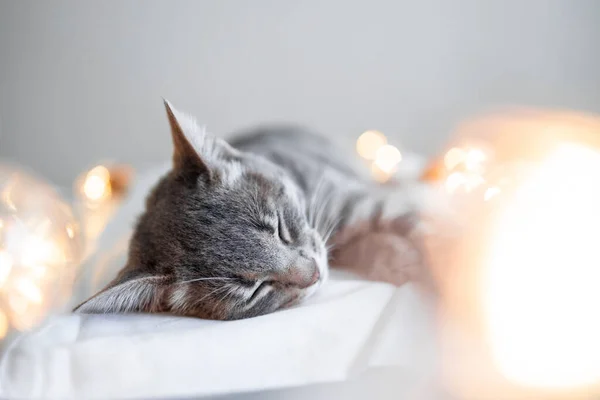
[(188, 139), (141, 294), (195, 150)]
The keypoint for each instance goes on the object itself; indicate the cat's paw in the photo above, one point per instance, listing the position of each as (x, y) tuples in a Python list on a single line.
[(381, 251)]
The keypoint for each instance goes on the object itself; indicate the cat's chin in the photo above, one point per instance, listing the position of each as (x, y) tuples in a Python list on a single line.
[(295, 299), (299, 297)]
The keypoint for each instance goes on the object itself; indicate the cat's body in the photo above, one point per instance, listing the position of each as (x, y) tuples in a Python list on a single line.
[(241, 229), (303, 154)]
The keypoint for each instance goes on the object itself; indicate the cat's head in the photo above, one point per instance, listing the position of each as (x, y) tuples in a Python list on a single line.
[(225, 235)]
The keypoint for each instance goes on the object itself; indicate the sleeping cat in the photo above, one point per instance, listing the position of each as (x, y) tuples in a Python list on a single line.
[(241, 229)]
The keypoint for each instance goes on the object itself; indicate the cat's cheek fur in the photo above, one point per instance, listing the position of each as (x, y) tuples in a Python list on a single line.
[(179, 298)]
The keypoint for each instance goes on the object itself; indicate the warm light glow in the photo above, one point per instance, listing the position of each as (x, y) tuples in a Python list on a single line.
[(473, 181), (36, 250), (96, 185), (454, 157), (454, 181), (70, 231), (3, 325), (7, 198), (17, 304), (387, 158), (379, 175), (6, 264), (474, 160), (29, 290), (369, 143), (542, 272), (39, 271), (39, 248), (490, 193)]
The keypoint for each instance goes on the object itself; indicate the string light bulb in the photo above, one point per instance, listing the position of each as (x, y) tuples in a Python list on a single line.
[(387, 158), (96, 185), (99, 191), (383, 157), (38, 256), (369, 143)]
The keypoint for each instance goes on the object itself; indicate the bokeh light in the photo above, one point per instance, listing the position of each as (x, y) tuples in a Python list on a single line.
[(454, 181), (474, 159), (96, 185), (387, 158), (540, 278), (463, 170), (369, 143), (38, 255), (454, 157), (491, 192)]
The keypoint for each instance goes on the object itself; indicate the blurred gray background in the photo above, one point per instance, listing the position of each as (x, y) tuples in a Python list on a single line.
[(81, 82)]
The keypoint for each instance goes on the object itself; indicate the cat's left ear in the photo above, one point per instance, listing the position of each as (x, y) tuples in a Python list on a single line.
[(194, 149), (137, 295)]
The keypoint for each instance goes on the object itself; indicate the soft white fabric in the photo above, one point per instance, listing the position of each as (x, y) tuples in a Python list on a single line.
[(348, 327)]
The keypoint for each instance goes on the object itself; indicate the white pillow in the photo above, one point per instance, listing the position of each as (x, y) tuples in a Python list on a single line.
[(348, 327)]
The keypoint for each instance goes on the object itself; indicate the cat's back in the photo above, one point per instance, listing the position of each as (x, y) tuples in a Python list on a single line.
[(296, 148), (264, 138)]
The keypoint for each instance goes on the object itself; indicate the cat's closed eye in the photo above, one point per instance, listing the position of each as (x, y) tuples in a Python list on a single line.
[(276, 229), (284, 235), (265, 226)]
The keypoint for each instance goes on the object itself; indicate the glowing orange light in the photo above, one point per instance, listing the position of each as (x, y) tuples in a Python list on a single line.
[(96, 185), (369, 143), (540, 282)]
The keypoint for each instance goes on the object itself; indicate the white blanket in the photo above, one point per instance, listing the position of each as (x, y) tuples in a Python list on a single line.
[(348, 327)]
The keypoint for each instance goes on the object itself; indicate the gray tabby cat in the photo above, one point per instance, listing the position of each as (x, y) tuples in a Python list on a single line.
[(241, 229)]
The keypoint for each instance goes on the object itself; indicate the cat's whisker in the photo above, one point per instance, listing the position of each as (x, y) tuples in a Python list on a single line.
[(316, 202), (227, 293), (205, 279), (213, 292), (332, 227), (318, 208), (312, 202), (322, 219)]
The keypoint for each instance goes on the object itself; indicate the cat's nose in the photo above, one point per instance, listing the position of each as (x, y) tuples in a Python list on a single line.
[(300, 276), (315, 276)]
